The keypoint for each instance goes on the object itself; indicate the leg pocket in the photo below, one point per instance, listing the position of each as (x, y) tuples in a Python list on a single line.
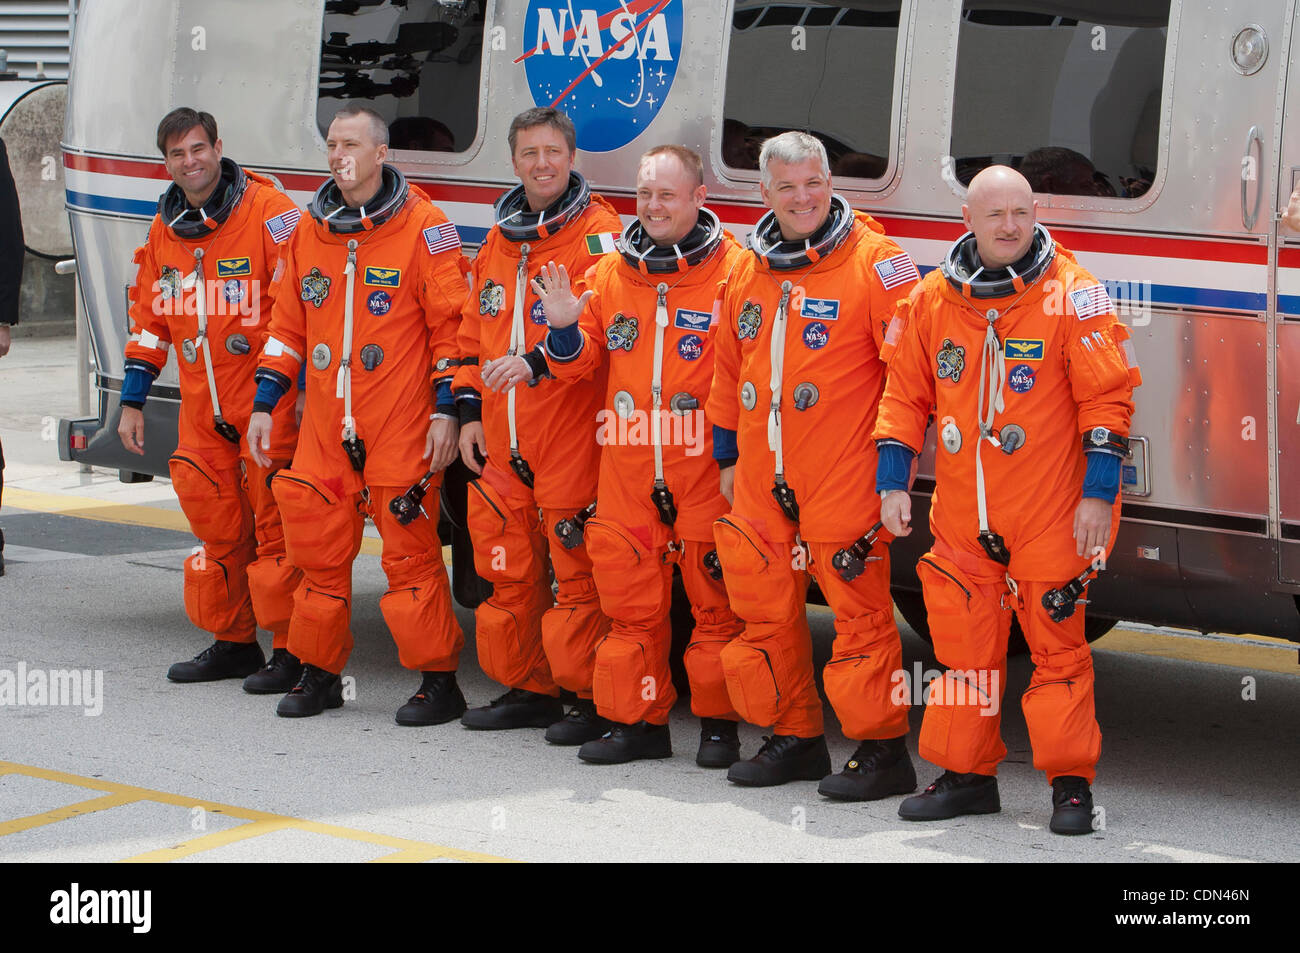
[(968, 625), (632, 581), (320, 529), (502, 653), (760, 577), (213, 601), (318, 631), (505, 549), (623, 686), (758, 674), (213, 503)]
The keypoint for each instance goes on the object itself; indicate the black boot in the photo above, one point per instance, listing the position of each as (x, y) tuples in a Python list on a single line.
[(783, 758), (625, 743), (517, 708), (316, 690), (877, 769), (278, 676), (580, 725), (719, 743), (1071, 805), (952, 795), (438, 701), (220, 660)]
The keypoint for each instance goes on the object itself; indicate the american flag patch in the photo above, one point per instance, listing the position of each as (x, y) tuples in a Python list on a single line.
[(897, 271), (1090, 301), (442, 237), (281, 227)]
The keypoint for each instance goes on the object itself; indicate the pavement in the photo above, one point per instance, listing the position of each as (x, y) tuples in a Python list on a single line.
[(1200, 759)]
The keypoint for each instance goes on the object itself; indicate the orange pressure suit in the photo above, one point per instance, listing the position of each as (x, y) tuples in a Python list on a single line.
[(632, 548), (407, 281), (835, 312), (241, 578), (1049, 365), (525, 639)]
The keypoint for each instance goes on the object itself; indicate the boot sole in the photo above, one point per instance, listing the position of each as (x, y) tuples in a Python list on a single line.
[(870, 787), (536, 721), (409, 722), (331, 704), (192, 679), (994, 808), (592, 758), (1068, 831), (813, 773), (272, 690), (719, 761), (572, 741)]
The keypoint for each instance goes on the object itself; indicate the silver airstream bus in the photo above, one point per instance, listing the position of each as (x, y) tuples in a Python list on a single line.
[(1154, 133)]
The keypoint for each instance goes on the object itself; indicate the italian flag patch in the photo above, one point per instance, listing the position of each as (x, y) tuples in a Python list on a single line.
[(602, 243)]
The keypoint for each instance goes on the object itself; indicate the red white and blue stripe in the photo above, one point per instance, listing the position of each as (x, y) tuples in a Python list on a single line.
[(1137, 270)]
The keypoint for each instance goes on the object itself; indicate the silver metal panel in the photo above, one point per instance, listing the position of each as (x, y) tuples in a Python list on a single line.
[(104, 247), (276, 106), (1288, 420), (115, 100), (1205, 406)]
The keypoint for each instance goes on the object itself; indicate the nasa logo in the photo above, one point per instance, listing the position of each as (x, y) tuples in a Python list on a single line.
[(537, 314), (1021, 378), (823, 309), (816, 336), (379, 302), (608, 64), (233, 291), (690, 347)]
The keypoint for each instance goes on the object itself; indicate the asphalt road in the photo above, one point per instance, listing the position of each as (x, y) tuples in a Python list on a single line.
[(1200, 757)]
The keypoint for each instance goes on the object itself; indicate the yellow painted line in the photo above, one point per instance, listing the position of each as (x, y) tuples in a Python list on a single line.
[(212, 841), (83, 507), (1257, 658), (412, 857), (64, 813), (264, 821), (87, 508)]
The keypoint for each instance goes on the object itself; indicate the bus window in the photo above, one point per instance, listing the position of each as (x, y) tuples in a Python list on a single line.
[(1088, 123), (417, 61), (787, 69)]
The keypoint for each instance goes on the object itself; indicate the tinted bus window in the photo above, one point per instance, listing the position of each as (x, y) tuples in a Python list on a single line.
[(822, 68), (417, 61), (1072, 101)]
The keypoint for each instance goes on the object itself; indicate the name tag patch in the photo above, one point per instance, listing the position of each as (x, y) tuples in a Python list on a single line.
[(234, 267), (821, 309), (1023, 349), (383, 277), (692, 320)]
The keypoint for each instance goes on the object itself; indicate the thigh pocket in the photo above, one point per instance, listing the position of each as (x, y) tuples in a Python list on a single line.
[(629, 577), (966, 623), (319, 527), (760, 578), (214, 505), (503, 551)]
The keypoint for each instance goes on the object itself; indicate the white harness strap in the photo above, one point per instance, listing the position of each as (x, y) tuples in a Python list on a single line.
[(657, 381), (201, 308), (343, 387), (517, 339), (778, 372), (993, 366)]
